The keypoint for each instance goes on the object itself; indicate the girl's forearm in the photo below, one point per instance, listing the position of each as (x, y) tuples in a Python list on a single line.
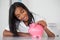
[(24, 34), (9, 34), (49, 33)]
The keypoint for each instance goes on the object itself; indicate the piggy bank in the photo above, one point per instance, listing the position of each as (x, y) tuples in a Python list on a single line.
[(36, 30)]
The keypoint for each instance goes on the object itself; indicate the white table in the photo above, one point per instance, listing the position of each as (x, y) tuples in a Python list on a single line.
[(29, 38)]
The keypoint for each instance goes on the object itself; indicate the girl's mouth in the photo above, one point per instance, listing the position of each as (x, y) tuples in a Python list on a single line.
[(24, 18)]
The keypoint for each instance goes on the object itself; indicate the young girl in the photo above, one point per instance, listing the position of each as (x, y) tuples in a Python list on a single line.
[(20, 18)]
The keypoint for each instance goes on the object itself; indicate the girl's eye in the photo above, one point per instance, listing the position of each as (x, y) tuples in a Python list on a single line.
[(22, 11), (18, 16)]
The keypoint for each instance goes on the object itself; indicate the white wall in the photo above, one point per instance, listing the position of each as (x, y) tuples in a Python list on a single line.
[(15, 1), (4, 8)]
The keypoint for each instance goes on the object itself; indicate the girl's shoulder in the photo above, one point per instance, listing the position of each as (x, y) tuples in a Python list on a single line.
[(37, 17)]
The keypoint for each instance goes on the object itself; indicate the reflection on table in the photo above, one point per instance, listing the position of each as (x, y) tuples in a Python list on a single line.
[(30, 38)]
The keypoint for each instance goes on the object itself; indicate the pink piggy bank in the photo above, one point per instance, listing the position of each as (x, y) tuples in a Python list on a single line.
[(36, 30)]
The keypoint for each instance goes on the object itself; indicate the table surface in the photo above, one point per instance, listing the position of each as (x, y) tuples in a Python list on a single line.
[(29, 38)]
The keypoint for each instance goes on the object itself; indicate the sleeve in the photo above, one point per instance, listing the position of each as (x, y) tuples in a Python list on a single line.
[(7, 28), (38, 18)]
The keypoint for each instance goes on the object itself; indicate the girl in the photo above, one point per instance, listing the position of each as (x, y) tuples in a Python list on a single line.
[(20, 18)]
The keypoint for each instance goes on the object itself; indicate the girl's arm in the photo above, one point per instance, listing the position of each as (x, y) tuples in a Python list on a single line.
[(9, 34), (49, 33)]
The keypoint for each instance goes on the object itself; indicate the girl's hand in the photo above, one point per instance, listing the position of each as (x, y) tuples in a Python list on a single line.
[(24, 34), (49, 33), (43, 23)]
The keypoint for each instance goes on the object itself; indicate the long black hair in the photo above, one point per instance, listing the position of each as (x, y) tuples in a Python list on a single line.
[(14, 21)]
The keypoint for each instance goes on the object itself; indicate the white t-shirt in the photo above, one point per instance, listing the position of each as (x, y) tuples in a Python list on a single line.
[(24, 28)]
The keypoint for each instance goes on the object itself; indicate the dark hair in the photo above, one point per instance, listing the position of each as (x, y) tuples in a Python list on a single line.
[(13, 21)]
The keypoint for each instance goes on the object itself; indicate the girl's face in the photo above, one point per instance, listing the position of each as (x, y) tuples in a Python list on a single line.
[(21, 14)]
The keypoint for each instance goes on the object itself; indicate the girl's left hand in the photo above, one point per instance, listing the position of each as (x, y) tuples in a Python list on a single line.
[(44, 25)]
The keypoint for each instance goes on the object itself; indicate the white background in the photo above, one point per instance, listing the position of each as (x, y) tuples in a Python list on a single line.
[(48, 9)]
